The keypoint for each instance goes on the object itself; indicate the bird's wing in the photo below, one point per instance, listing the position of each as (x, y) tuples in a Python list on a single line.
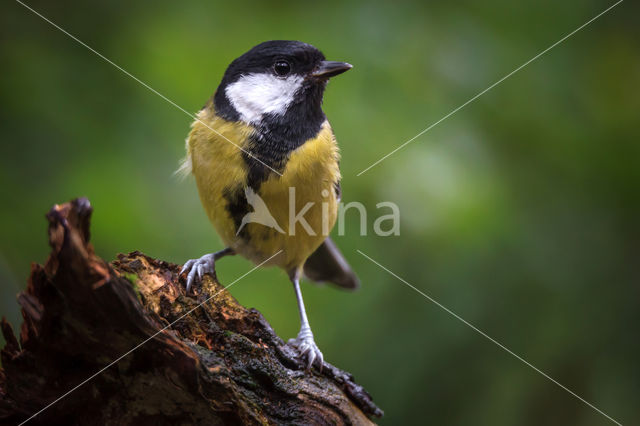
[(338, 189), (327, 264)]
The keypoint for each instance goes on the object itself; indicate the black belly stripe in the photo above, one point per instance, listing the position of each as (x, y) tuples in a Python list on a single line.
[(237, 207)]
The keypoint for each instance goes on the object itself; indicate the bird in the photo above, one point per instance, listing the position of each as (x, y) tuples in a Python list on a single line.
[(266, 165)]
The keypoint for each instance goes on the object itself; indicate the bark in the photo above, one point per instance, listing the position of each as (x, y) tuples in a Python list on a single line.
[(122, 325)]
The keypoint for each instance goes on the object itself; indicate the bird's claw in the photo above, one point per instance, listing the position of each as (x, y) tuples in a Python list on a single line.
[(307, 348), (197, 268)]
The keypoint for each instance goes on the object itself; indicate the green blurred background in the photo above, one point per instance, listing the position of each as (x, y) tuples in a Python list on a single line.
[(519, 213)]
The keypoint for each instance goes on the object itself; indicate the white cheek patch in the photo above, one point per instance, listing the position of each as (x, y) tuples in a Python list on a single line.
[(256, 94)]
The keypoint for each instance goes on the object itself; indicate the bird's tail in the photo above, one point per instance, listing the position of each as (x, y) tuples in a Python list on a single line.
[(327, 264)]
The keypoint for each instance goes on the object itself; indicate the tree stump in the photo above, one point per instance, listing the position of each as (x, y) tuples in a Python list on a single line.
[(121, 343)]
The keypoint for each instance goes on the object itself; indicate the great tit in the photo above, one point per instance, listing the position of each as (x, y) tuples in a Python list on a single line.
[(265, 161)]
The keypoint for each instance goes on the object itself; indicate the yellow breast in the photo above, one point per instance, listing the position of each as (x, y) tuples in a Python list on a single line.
[(307, 184)]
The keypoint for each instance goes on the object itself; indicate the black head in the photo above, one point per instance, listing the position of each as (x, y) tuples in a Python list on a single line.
[(275, 79)]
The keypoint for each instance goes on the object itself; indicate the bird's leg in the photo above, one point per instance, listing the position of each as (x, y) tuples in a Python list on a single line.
[(204, 265), (304, 342)]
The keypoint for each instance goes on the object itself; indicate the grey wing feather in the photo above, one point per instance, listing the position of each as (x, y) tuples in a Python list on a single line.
[(327, 264)]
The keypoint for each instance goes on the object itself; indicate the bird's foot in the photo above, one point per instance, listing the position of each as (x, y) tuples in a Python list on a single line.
[(196, 268), (307, 348)]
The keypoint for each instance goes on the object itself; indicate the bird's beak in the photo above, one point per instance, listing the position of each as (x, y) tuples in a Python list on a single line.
[(328, 69)]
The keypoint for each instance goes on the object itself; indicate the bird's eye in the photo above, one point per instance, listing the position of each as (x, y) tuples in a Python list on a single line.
[(282, 68)]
